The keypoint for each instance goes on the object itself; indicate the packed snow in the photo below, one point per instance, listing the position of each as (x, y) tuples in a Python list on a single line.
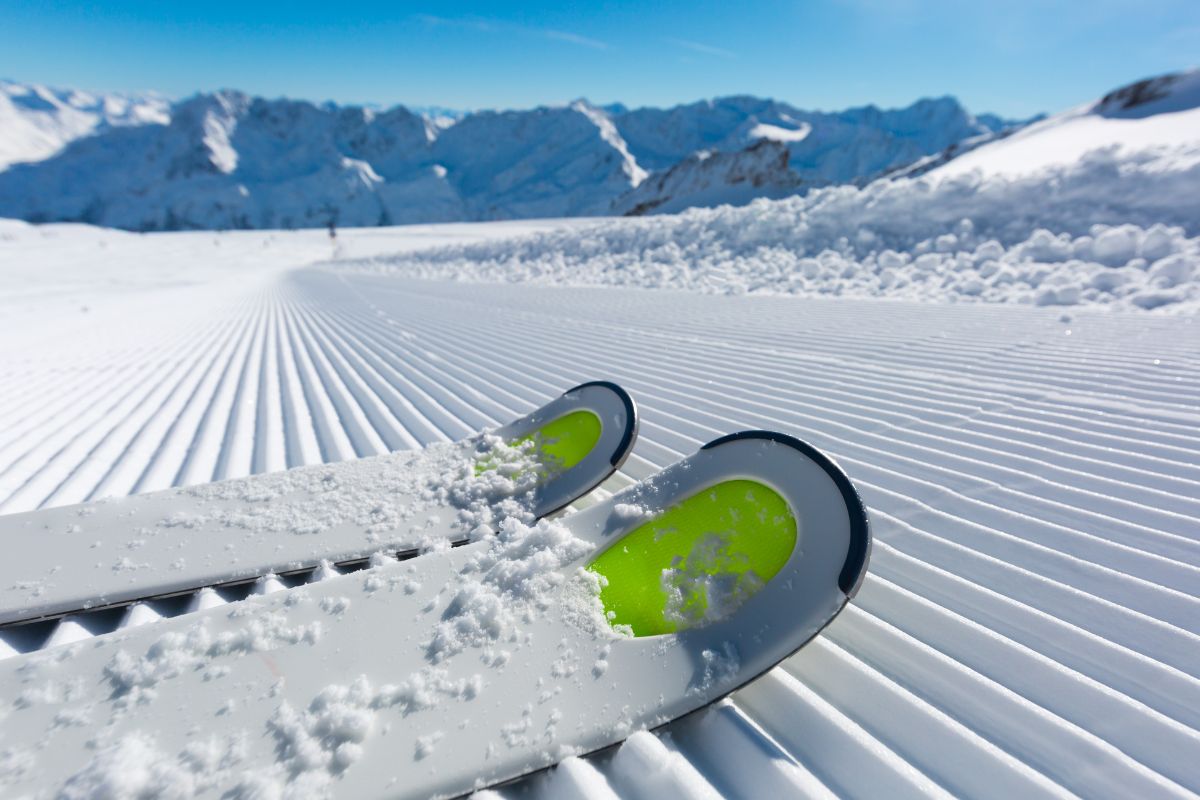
[(1030, 475)]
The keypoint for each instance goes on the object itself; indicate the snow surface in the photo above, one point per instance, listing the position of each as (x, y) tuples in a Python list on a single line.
[(1029, 624)]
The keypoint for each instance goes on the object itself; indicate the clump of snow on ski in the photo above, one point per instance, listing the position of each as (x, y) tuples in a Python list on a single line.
[(360, 492)]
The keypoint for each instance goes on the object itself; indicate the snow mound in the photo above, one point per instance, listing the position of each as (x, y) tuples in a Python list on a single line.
[(1111, 230)]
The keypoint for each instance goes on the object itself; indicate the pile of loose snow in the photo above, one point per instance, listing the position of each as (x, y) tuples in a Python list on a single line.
[(389, 497), (1114, 230), (504, 584)]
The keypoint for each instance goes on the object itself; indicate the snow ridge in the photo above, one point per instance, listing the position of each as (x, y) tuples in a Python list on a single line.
[(1159, 116), (1112, 230)]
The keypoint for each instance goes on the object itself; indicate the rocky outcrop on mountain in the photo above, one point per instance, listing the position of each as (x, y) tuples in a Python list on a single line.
[(710, 178)]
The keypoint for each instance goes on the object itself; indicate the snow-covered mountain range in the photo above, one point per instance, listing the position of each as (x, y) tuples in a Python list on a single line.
[(36, 122), (227, 160)]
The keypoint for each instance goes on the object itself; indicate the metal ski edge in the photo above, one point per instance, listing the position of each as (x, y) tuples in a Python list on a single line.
[(299, 574), (294, 576)]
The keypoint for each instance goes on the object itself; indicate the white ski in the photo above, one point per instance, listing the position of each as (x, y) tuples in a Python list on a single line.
[(90, 561), (464, 667)]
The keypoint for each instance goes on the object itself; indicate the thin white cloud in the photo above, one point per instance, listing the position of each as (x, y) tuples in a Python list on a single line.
[(572, 38), (474, 23), (704, 49), (498, 26)]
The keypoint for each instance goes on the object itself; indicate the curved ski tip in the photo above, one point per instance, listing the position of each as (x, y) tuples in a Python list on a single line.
[(854, 569), (629, 435)]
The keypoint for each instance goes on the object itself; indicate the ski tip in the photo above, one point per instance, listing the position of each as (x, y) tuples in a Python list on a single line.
[(591, 430), (858, 555), (629, 435)]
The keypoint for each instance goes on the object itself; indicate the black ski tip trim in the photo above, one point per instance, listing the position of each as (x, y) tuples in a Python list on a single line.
[(855, 567), (625, 446)]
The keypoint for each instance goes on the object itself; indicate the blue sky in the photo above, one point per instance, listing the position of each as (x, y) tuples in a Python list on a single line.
[(1014, 57)]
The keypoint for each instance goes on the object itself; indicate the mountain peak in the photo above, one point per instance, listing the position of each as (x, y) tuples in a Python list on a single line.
[(1164, 94)]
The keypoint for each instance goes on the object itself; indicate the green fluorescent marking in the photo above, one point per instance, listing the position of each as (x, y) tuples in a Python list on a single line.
[(716, 548), (559, 444), (566, 441)]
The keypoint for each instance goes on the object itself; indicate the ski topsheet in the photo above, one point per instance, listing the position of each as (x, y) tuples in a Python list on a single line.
[(464, 667), (98, 557)]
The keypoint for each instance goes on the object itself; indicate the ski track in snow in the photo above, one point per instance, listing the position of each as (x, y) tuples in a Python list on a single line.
[(1030, 625)]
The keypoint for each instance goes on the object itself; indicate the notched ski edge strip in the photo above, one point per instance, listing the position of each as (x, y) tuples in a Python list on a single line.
[(295, 577)]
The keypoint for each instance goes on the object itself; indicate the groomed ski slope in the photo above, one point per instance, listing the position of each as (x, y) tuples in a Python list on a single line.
[(1030, 624)]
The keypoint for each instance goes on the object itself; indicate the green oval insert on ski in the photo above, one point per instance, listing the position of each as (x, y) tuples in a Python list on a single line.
[(559, 444), (566, 441), (697, 561)]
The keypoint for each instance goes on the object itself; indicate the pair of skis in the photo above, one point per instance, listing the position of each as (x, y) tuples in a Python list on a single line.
[(486, 639)]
